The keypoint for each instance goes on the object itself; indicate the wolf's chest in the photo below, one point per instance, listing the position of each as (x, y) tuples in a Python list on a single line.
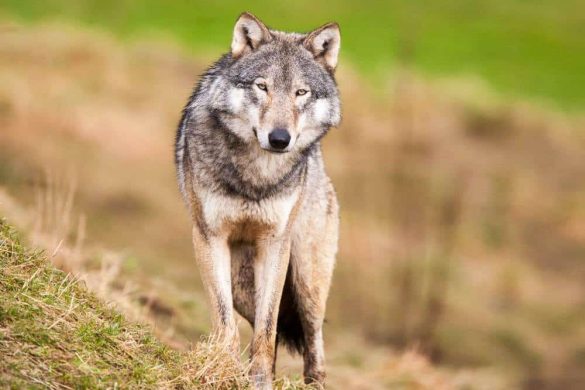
[(224, 213)]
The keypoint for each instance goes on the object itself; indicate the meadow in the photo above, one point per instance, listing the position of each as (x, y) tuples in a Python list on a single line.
[(463, 213)]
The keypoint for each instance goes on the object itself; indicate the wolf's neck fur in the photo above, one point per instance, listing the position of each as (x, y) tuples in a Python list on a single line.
[(226, 163)]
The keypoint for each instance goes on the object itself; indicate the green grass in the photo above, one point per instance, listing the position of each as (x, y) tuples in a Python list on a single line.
[(54, 333), (523, 48)]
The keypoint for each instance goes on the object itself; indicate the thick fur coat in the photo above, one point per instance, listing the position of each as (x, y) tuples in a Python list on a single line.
[(264, 212)]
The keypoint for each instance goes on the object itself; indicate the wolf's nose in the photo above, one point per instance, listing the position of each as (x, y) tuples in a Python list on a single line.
[(279, 138)]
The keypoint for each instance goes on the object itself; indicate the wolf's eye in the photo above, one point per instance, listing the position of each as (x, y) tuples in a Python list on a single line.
[(301, 92), (262, 86)]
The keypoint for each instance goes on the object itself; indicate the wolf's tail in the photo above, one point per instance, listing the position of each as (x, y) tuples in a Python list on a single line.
[(289, 330)]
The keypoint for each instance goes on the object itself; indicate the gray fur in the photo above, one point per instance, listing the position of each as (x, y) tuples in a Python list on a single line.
[(204, 131), (221, 154)]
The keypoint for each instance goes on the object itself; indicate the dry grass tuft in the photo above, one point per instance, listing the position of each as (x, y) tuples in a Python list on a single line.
[(218, 368)]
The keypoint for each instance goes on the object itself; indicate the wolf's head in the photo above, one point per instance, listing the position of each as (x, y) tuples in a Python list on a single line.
[(278, 88)]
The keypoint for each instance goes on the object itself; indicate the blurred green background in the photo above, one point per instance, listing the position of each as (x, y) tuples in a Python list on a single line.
[(523, 48)]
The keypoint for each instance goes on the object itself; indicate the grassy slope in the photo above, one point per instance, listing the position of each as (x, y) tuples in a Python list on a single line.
[(56, 334), (53, 332), (522, 48)]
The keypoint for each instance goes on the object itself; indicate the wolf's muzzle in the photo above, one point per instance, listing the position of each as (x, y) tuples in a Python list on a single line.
[(279, 139)]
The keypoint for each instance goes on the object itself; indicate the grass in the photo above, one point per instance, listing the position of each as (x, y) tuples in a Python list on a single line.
[(528, 49), (54, 333)]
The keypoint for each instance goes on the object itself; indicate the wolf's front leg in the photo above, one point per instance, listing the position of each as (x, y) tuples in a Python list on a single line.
[(269, 274), (213, 259)]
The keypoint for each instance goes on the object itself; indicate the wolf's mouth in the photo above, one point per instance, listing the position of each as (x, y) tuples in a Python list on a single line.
[(275, 151)]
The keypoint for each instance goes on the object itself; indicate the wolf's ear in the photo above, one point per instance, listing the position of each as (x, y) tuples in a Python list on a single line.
[(324, 43), (249, 33)]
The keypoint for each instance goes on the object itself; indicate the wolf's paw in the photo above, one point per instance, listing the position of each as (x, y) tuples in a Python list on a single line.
[(315, 377)]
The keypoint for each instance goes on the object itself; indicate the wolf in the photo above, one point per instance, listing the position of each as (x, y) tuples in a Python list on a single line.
[(264, 212)]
